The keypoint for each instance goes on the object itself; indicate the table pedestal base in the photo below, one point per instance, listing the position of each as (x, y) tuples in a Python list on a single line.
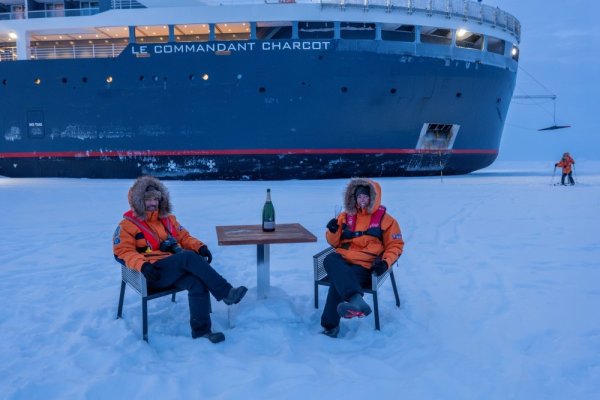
[(263, 270)]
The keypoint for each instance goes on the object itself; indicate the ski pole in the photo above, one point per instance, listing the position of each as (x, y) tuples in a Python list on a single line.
[(553, 173), (574, 175)]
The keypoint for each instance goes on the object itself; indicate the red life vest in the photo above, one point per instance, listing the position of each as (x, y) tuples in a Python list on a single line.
[(374, 229), (151, 237)]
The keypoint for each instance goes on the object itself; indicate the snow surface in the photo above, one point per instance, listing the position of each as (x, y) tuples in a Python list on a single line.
[(499, 283)]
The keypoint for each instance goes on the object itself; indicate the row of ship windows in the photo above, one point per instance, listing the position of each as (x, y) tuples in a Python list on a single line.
[(205, 77), (274, 31)]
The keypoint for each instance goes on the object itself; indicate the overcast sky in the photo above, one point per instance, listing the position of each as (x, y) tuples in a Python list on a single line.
[(560, 48)]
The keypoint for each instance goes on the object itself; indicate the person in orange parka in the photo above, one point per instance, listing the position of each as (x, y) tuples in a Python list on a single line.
[(566, 163), (150, 240), (366, 240)]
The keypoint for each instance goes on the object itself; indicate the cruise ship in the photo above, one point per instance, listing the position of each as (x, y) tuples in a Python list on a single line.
[(256, 90)]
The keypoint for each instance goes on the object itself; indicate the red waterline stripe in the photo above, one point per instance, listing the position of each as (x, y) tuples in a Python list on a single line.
[(151, 153)]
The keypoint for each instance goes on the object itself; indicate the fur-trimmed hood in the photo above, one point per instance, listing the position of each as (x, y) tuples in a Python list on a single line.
[(374, 194), (136, 196)]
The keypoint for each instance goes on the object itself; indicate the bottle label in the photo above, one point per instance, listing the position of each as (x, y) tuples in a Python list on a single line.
[(269, 225)]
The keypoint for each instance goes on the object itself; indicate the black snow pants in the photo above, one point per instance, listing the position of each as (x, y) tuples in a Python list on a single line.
[(570, 175), (346, 280), (190, 271)]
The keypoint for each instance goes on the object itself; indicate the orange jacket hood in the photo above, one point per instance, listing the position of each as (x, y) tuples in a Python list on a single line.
[(374, 195), (136, 196)]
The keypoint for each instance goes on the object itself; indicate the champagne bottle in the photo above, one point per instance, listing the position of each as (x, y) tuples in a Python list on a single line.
[(268, 214)]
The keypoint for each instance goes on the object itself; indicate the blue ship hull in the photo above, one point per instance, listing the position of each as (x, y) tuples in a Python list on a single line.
[(347, 108)]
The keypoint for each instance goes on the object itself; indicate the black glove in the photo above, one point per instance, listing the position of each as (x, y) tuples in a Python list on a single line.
[(556, 165), (333, 225), (379, 266), (205, 252), (151, 273)]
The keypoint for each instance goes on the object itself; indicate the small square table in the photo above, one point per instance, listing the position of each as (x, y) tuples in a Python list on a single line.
[(231, 235)]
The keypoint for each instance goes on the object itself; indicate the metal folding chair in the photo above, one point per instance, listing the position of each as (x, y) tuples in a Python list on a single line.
[(137, 282), (321, 278)]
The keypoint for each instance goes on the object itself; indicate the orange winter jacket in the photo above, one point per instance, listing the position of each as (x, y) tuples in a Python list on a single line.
[(363, 250), (566, 164), (131, 247)]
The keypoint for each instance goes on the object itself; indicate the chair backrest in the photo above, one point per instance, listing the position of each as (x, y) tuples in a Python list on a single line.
[(135, 279), (318, 259), (320, 272)]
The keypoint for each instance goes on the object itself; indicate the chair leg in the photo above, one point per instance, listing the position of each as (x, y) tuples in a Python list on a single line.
[(121, 298), (316, 295), (395, 288), (145, 318), (376, 310)]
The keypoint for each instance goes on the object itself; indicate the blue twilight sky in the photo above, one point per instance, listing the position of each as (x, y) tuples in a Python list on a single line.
[(560, 48)]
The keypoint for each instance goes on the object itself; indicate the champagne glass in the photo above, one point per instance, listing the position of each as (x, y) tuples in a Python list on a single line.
[(337, 209)]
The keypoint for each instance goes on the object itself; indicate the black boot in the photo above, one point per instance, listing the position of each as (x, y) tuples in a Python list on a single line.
[(355, 307), (214, 337), (332, 333), (235, 295)]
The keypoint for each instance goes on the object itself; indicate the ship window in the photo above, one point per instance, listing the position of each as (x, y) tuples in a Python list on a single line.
[(152, 34), (273, 30), (315, 30), (192, 33), (232, 31), (8, 51), (398, 33), (469, 40), (102, 42), (495, 45), (357, 30), (437, 136), (433, 35)]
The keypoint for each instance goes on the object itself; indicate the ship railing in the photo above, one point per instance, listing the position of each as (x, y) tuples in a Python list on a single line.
[(70, 12), (68, 52), (463, 9), (125, 4), (8, 53)]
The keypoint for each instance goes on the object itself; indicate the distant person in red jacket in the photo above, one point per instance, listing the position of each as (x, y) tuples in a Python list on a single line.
[(566, 163)]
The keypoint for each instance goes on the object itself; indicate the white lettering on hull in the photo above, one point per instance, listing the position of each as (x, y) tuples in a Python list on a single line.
[(183, 48)]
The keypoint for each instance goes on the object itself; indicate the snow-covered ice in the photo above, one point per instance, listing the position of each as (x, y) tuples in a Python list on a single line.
[(499, 283)]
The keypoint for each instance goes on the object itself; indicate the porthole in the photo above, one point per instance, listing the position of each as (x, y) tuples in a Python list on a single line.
[(344, 89), (109, 79), (458, 94), (205, 77), (84, 79), (262, 89), (64, 80), (393, 90), (141, 78), (37, 81)]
